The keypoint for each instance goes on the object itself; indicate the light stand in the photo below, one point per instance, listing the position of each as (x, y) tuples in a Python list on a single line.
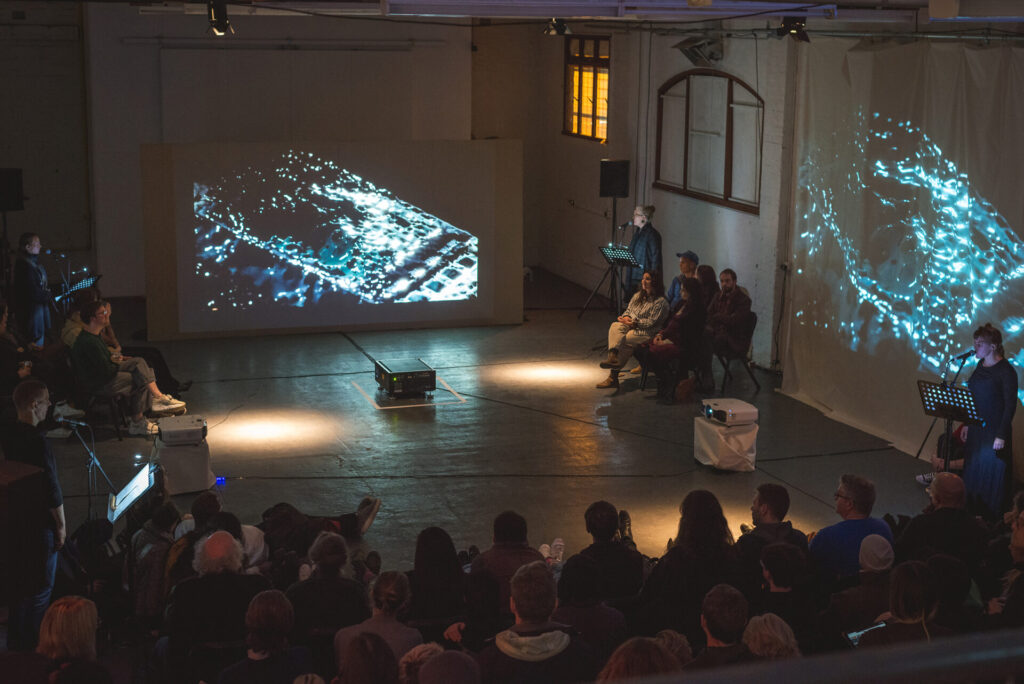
[(91, 466)]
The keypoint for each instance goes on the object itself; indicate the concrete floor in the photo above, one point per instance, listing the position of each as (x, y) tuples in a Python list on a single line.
[(530, 433)]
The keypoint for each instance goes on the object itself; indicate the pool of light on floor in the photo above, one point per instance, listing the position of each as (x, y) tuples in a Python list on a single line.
[(544, 374), (275, 429)]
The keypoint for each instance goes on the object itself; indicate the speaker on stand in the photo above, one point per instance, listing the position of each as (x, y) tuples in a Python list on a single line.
[(615, 184)]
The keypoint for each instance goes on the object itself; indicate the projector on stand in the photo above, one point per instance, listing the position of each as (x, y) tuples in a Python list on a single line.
[(404, 378), (729, 411)]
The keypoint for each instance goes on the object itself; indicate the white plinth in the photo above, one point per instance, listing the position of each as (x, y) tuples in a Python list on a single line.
[(724, 447), (186, 466)]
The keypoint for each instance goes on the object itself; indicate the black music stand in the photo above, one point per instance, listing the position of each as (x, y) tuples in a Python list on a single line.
[(617, 257), (950, 403)]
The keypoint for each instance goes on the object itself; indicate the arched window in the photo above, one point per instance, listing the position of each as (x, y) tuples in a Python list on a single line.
[(710, 130)]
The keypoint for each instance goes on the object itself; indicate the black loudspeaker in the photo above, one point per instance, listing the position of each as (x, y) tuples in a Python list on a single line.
[(614, 178), (11, 198)]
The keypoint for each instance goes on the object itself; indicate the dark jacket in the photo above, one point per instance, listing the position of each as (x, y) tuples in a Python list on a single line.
[(730, 322), (621, 568), (537, 655), (646, 248), (952, 531), (500, 562)]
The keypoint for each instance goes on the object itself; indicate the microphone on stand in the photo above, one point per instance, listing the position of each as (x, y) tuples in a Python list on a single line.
[(68, 421), (963, 357)]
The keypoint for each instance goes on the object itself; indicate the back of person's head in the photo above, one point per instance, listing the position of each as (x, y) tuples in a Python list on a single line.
[(390, 592), (533, 592), (229, 522), (702, 524), (639, 657), (912, 592), (580, 583), (203, 507), (436, 559), (166, 516), (82, 672), (410, 664), (68, 630), (218, 552), (450, 667), (27, 392), (768, 636), (784, 562), (677, 644), (510, 528), (725, 611), (602, 520), (948, 491), (368, 658), (329, 552), (860, 491), (952, 579), (90, 309), (692, 287), (268, 622), (775, 497), (876, 554)]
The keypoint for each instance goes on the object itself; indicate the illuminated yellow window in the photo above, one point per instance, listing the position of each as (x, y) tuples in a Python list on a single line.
[(586, 86)]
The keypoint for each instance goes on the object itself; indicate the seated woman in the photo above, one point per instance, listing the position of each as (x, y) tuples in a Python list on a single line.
[(645, 313), (678, 340)]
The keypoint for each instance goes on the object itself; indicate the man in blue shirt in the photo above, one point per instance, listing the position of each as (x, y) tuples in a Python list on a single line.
[(836, 548)]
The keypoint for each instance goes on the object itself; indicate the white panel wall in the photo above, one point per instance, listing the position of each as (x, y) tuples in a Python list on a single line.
[(144, 90)]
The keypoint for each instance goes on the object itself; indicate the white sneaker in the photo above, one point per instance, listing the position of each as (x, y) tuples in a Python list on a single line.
[(66, 410), (167, 403), (59, 433), (925, 479), (144, 428)]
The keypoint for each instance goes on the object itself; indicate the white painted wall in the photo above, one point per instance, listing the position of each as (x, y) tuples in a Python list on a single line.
[(153, 92)]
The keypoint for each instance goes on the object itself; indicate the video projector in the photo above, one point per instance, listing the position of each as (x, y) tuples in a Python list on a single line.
[(729, 411)]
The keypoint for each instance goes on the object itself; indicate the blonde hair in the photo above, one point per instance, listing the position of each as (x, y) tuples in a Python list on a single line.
[(410, 664), (68, 630), (768, 636)]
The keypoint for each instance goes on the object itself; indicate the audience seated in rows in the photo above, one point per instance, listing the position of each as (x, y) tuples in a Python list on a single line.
[(836, 548), (768, 513)]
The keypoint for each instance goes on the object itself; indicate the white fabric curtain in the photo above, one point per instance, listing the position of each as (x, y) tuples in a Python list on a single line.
[(908, 219)]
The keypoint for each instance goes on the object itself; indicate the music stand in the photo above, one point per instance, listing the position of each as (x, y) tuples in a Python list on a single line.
[(617, 257), (950, 403)]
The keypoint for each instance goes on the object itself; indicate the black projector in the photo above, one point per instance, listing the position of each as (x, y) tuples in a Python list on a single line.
[(404, 378)]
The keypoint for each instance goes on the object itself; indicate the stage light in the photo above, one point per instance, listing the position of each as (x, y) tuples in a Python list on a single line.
[(795, 28), (217, 10), (557, 27)]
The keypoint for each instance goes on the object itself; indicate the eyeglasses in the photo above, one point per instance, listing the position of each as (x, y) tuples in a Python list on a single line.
[(840, 495)]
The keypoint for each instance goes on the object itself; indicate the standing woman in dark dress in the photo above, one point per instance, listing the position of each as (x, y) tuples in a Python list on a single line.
[(988, 469), (31, 292)]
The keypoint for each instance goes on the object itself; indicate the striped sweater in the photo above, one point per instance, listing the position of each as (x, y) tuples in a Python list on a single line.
[(649, 314)]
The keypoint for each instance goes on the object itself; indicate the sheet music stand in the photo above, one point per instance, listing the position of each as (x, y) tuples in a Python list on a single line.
[(950, 403), (617, 257)]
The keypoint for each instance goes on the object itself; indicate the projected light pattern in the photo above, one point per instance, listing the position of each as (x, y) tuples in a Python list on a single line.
[(308, 229), (937, 259)]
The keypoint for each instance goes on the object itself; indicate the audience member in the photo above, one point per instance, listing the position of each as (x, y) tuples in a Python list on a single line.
[(438, 584), (268, 621), (182, 551), (535, 649), (723, 617), (327, 601), (41, 530), (678, 341), (708, 283), (953, 586), (1007, 609), (677, 644), (768, 513), (836, 549), (390, 596), (644, 316), (367, 658), (912, 605), (701, 556), (145, 562), (450, 667), (509, 552), (414, 659), (580, 606), (858, 607), (620, 566), (730, 323), (68, 631), (639, 657), (946, 528), (688, 261), (209, 610), (786, 596), (768, 636)]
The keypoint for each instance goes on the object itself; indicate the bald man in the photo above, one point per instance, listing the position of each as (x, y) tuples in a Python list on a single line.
[(944, 527)]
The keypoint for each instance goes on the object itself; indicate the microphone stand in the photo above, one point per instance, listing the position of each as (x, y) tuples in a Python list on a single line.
[(91, 466)]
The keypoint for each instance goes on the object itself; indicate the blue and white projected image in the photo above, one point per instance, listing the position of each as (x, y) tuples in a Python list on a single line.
[(306, 233), (927, 259)]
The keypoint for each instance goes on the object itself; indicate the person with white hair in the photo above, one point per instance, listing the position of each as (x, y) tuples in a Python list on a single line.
[(769, 637), (210, 608)]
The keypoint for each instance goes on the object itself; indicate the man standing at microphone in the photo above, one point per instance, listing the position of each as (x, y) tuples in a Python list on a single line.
[(645, 246)]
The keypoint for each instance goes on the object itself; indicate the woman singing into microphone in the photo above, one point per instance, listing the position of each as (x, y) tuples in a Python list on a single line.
[(989, 455)]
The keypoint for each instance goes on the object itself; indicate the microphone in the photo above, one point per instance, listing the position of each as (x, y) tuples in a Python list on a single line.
[(963, 357), (68, 421), (625, 225)]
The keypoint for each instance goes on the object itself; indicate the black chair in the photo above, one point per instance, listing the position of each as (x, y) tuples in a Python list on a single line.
[(726, 356)]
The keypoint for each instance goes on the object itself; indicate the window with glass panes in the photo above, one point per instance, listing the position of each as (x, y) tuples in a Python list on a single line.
[(586, 86)]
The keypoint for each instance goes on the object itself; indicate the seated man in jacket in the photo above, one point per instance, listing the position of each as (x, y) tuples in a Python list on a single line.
[(729, 319), (768, 512)]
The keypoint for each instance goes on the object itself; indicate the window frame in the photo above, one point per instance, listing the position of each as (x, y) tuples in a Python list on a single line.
[(597, 62), (725, 200)]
